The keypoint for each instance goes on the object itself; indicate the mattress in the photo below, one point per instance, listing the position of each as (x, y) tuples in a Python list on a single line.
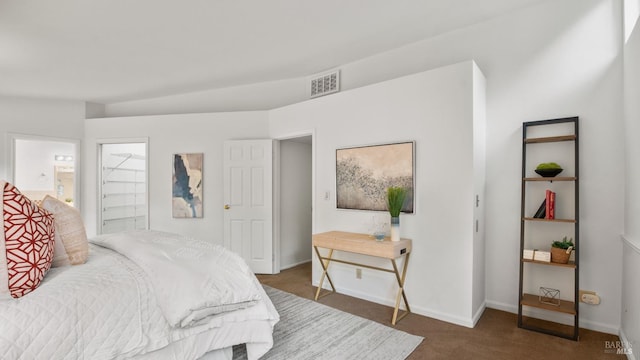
[(109, 308)]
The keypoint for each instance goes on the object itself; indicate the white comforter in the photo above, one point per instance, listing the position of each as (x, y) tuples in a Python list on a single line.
[(206, 279), (111, 308)]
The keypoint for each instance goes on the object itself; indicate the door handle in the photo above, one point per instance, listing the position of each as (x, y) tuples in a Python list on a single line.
[(227, 207)]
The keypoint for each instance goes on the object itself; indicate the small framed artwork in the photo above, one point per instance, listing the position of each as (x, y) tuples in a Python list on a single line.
[(364, 173), (187, 186)]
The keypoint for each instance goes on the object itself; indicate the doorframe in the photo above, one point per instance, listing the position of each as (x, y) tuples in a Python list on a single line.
[(99, 143), (276, 188), (77, 163)]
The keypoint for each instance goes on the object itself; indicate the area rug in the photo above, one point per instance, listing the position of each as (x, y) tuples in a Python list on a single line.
[(310, 330)]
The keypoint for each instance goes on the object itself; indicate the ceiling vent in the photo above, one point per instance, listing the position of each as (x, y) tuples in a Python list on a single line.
[(325, 84)]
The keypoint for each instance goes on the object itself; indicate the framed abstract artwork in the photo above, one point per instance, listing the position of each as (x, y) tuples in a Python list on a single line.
[(187, 186), (364, 173)]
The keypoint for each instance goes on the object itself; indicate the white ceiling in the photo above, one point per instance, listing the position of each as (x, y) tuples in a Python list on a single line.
[(109, 51)]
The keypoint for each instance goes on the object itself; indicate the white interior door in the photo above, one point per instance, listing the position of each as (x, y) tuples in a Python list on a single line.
[(248, 197)]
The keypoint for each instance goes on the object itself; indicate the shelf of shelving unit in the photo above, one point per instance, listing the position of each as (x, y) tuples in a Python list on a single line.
[(563, 178), (567, 307), (104, 208), (530, 300), (124, 218), (122, 169), (570, 264), (124, 187), (122, 182), (104, 196), (550, 139), (550, 220)]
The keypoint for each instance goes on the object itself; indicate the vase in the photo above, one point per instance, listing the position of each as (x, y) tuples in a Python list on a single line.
[(560, 256), (395, 228)]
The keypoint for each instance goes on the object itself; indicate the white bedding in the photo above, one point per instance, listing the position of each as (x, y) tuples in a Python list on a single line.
[(108, 308), (207, 279)]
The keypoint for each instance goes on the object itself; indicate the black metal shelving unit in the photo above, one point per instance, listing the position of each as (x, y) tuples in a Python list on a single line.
[(527, 300)]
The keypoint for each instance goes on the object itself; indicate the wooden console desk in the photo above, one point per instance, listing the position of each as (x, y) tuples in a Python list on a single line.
[(365, 245)]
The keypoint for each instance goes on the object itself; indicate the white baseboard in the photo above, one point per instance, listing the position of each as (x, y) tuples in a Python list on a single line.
[(471, 322), (438, 315), (601, 327), (478, 314), (453, 319), (627, 345), (631, 243), (583, 323), (289, 266), (502, 306)]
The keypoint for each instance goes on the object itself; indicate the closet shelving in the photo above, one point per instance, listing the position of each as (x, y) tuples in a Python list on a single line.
[(123, 193), (546, 137)]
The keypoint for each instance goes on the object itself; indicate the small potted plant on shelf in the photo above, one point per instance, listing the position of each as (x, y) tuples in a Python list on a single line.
[(549, 169), (561, 250)]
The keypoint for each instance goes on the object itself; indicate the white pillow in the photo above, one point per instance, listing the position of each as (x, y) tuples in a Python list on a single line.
[(69, 229)]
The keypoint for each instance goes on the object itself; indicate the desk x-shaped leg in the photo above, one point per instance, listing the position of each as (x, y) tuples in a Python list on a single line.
[(324, 262), (400, 278)]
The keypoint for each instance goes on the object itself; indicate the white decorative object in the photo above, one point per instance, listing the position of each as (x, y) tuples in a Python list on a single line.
[(527, 254), (379, 227), (542, 256), (395, 228)]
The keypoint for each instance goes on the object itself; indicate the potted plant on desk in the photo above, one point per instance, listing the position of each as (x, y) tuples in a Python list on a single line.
[(395, 201)]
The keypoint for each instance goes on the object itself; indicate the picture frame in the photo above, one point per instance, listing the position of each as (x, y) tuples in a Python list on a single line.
[(187, 176), (364, 173)]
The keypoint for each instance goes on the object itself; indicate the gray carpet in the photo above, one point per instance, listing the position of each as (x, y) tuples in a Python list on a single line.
[(310, 330)]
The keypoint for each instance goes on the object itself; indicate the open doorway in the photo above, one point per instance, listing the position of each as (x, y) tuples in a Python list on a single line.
[(123, 187), (296, 200), (45, 166)]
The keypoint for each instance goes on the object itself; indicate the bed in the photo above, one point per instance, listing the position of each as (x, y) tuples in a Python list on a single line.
[(139, 295)]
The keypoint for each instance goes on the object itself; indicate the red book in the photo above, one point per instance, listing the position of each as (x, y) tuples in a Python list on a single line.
[(550, 205), (547, 203)]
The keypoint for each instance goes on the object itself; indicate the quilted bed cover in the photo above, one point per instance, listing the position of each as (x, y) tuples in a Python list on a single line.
[(114, 308)]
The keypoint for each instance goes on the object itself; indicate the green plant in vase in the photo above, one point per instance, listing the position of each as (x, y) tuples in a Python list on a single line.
[(396, 196), (561, 250), (564, 244)]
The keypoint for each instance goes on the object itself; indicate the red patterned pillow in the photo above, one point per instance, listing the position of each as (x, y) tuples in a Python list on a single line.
[(27, 243)]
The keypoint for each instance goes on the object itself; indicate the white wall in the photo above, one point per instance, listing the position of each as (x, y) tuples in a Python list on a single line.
[(52, 118), (167, 135), (632, 129), (479, 185), (569, 66), (631, 259), (553, 78), (630, 328), (435, 109), (261, 96), (295, 203), (555, 59)]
